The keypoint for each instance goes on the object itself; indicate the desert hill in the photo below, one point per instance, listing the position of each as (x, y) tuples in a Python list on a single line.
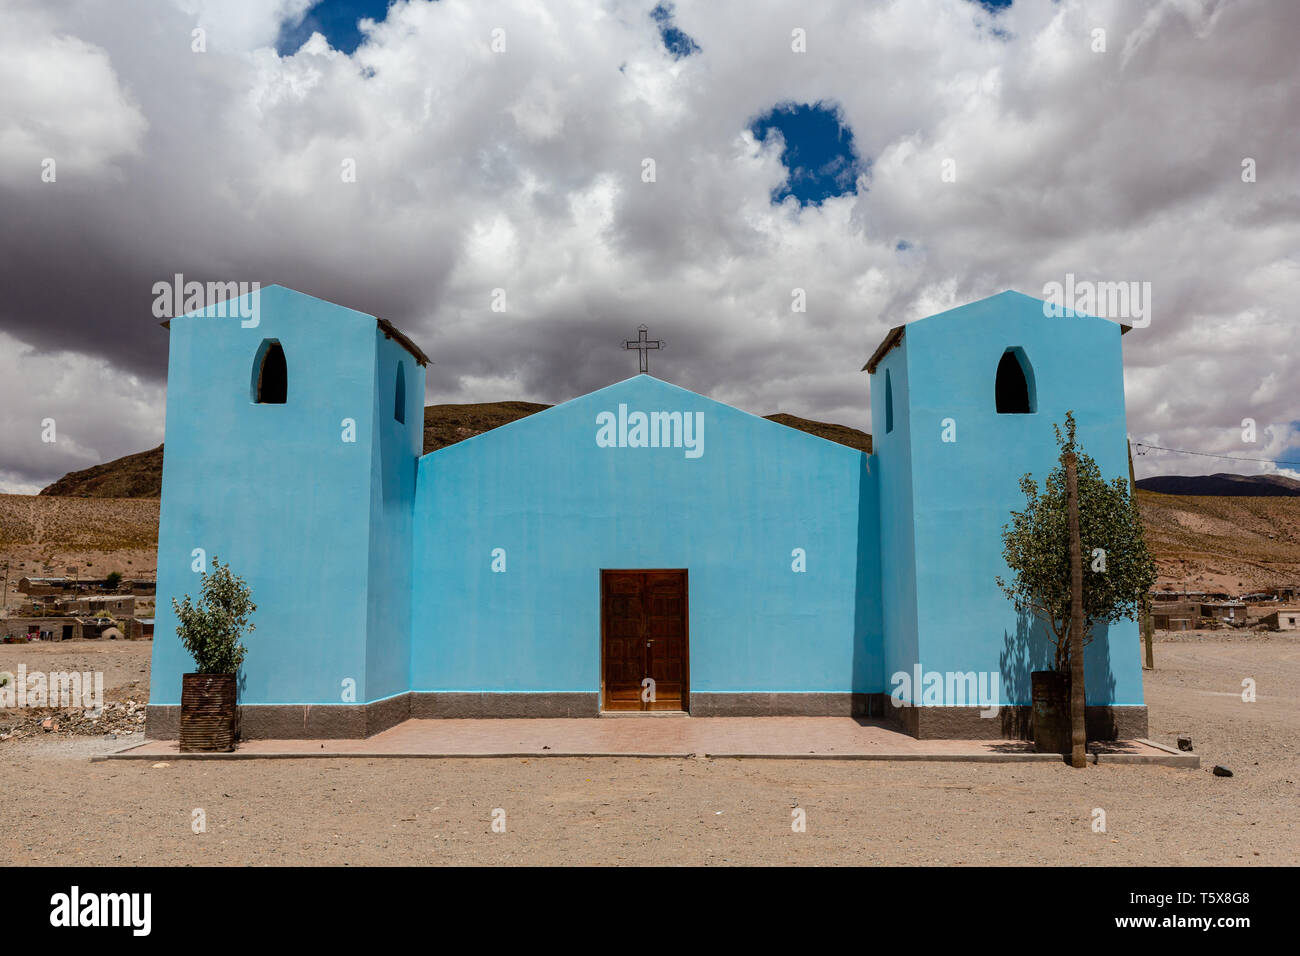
[(1245, 541), (1199, 542), (133, 476), (841, 434), (1271, 486), (1233, 544), (46, 535), (1230, 544), (140, 475)]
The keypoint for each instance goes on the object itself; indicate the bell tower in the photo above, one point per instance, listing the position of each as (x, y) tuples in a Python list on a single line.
[(293, 430)]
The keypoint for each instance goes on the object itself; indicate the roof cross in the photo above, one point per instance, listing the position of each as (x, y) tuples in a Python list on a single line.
[(643, 345)]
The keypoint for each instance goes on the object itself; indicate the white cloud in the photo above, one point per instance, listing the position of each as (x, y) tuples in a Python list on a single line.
[(60, 100), (236, 26), (522, 170)]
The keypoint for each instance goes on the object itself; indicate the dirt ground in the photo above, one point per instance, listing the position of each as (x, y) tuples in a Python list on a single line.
[(56, 807)]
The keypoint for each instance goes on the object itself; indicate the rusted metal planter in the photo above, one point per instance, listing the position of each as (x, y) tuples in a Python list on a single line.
[(1051, 711), (209, 714)]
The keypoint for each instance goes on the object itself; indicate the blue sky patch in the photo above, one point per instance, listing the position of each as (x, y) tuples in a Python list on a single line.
[(819, 155), (336, 19), (675, 41)]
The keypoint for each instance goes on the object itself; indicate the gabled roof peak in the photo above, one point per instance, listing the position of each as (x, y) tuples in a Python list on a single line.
[(895, 334), (390, 331)]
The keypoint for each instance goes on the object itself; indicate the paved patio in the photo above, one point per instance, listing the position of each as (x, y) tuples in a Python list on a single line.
[(836, 738)]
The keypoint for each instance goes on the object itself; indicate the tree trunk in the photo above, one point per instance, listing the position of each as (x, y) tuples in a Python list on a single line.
[(1147, 626), (1078, 731), (1149, 629)]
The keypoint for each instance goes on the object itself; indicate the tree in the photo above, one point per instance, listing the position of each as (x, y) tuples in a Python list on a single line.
[(113, 580), (211, 627), (1118, 570)]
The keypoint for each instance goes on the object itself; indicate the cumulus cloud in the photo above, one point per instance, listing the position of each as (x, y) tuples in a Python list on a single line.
[(60, 100), (521, 169), (62, 411)]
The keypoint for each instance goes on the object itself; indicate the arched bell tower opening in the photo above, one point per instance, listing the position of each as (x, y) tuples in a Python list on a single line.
[(270, 374), (399, 399), (1014, 389), (889, 404)]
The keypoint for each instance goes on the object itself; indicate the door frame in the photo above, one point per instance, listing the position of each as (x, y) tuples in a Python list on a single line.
[(686, 637)]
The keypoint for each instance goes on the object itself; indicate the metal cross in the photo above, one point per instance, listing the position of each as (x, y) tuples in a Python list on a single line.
[(643, 345)]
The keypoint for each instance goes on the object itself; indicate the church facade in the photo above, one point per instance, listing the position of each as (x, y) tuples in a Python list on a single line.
[(639, 548)]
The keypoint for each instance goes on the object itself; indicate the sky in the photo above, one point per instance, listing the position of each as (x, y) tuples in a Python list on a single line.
[(888, 159)]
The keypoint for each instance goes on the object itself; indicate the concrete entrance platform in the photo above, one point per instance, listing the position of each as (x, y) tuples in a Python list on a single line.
[(805, 738)]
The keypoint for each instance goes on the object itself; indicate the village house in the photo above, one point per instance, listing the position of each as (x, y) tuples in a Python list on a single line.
[(70, 628), (1159, 597), (1229, 612), (1283, 619), (43, 586), (1175, 617), (92, 605)]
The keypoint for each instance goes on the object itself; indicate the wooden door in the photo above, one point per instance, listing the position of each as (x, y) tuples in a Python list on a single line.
[(622, 623), (644, 634)]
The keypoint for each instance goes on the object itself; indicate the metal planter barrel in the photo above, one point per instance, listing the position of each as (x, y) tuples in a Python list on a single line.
[(209, 715), (1051, 707)]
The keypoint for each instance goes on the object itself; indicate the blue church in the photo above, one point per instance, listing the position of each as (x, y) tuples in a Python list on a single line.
[(639, 548)]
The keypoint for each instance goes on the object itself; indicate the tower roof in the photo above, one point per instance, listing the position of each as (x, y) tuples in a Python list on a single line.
[(895, 335), (390, 331)]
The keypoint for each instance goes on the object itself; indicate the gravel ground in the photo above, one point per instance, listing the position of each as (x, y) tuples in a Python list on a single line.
[(125, 666), (58, 807)]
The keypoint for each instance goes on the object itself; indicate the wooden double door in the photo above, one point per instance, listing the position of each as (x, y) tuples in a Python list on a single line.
[(643, 635)]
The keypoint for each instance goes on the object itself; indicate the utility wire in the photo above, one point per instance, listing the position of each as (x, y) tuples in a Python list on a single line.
[(1205, 454)]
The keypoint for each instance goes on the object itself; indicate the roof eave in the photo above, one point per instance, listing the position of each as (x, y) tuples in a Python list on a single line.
[(390, 332), (393, 332), (890, 341)]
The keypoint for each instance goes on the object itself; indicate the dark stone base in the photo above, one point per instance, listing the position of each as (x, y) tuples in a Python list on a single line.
[(322, 721), (294, 721), (787, 705), (326, 721), (505, 705), (1011, 722)]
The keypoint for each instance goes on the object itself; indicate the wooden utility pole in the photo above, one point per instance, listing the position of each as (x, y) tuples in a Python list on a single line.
[(1146, 623), (1078, 730)]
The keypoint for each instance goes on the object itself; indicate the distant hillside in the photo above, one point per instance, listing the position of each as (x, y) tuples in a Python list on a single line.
[(1253, 486), (140, 475), (134, 476), (447, 424), (1232, 544), (841, 434)]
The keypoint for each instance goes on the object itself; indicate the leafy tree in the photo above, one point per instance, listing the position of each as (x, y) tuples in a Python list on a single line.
[(1117, 568), (113, 580), (211, 627)]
